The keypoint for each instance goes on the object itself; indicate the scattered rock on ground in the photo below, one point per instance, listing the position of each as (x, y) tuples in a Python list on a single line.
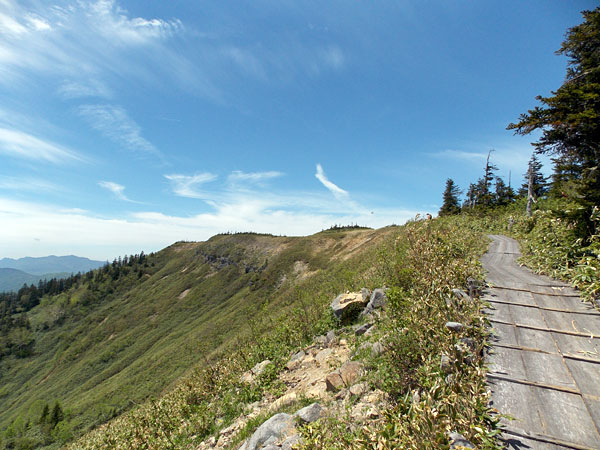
[(350, 372), (334, 381), (378, 300), (362, 329), (457, 327), (310, 413), (446, 364), (279, 426), (330, 338), (458, 441)]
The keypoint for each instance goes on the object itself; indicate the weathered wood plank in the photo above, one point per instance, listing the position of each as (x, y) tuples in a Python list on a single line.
[(554, 399)]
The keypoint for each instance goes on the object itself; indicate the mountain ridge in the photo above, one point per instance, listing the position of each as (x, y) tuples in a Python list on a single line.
[(129, 329), (14, 279), (51, 264)]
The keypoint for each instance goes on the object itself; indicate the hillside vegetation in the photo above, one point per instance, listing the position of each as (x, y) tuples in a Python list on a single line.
[(125, 332), (154, 347), (421, 263)]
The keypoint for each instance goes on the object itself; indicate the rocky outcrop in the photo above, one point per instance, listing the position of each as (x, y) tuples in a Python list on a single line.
[(346, 307), (279, 432), (278, 427), (309, 374)]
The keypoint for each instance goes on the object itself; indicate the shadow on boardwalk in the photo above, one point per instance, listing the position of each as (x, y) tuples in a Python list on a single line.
[(544, 365)]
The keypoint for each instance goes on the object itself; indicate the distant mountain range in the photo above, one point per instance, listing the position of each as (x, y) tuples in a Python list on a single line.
[(14, 279), (16, 272), (47, 264)]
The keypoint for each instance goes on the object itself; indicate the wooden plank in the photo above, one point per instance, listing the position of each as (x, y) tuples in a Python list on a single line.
[(545, 308), (549, 330), (566, 415), (533, 441), (566, 389), (551, 294)]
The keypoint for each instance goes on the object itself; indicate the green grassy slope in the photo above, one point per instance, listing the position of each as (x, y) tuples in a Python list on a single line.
[(107, 344)]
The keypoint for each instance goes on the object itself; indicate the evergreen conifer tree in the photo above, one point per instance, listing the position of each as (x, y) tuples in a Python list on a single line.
[(57, 414), (570, 118), (44, 415), (504, 193), (450, 197)]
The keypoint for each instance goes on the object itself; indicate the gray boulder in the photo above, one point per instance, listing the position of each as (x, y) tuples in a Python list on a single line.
[(378, 300), (270, 447), (310, 413), (457, 327), (458, 441), (279, 427), (291, 441)]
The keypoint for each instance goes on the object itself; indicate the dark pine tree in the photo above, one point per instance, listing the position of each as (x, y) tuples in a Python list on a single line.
[(45, 414), (504, 194), (570, 118), (57, 414), (451, 193)]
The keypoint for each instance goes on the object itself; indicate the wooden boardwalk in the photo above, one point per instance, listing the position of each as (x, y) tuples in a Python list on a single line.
[(544, 365)]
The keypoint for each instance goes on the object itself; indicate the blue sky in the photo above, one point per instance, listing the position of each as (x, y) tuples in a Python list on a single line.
[(129, 125)]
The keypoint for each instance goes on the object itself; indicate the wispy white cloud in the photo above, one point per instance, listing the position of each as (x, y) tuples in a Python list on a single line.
[(84, 88), (77, 39), (24, 145), (38, 229), (117, 189), (247, 61), (37, 23), (101, 40), (462, 155), (114, 123), (252, 177), (505, 157), (27, 184), (335, 190), (187, 185)]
